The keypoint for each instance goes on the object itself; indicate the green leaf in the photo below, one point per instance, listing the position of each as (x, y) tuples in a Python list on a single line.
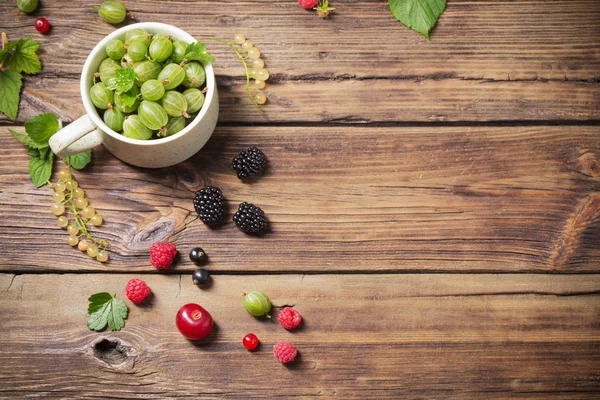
[(4, 53), (128, 98), (10, 93), (26, 140), (197, 52), (122, 81), (105, 309), (40, 167), (79, 161), (31, 152), (419, 15), (42, 127), (24, 57)]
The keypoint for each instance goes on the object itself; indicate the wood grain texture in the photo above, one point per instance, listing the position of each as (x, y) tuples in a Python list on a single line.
[(363, 336), (488, 61), (339, 199)]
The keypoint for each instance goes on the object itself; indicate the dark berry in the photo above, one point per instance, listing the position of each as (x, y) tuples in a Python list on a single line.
[(42, 25), (200, 277), (198, 256), (250, 219), (249, 163), (210, 205), (250, 341)]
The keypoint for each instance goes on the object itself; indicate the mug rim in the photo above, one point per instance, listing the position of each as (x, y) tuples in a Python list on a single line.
[(91, 109)]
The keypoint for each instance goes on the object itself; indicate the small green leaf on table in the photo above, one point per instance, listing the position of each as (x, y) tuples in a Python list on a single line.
[(79, 161), (40, 128), (24, 58), (40, 166), (10, 93), (105, 309), (419, 15), (26, 140)]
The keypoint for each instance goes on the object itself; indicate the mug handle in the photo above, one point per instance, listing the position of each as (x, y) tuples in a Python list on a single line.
[(79, 136)]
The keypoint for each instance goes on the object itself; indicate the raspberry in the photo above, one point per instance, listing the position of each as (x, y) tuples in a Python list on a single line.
[(285, 352), (307, 4), (250, 219), (210, 205), (289, 318), (137, 290), (249, 163), (162, 254)]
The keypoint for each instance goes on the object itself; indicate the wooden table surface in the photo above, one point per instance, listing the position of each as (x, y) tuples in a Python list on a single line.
[(434, 204)]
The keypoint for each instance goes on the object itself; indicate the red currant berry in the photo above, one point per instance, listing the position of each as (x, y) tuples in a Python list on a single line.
[(250, 341), (194, 322), (42, 25)]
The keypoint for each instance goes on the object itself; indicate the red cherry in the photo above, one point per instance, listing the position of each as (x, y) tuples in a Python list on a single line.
[(250, 341), (194, 322), (42, 25)]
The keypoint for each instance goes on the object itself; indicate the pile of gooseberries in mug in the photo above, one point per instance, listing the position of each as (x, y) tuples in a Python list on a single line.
[(150, 85)]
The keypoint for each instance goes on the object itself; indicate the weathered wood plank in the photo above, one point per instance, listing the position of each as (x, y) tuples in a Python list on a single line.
[(339, 199), (364, 336)]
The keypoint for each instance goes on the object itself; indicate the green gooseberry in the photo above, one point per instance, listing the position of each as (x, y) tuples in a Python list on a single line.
[(152, 90), (138, 34), (137, 50), (101, 96), (257, 303), (175, 104), (153, 115), (146, 70), (175, 124), (134, 128), (127, 109), (194, 75), (160, 49), (178, 54), (171, 76), (115, 49), (113, 12), (108, 69), (113, 118), (27, 6), (126, 61), (195, 99)]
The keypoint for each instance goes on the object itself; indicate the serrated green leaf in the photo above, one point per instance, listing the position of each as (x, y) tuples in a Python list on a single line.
[(40, 167), (31, 152), (98, 320), (116, 318), (4, 53), (97, 301), (419, 15), (26, 140), (105, 309), (40, 128), (24, 57), (197, 52), (128, 98), (122, 81), (79, 161), (10, 93)]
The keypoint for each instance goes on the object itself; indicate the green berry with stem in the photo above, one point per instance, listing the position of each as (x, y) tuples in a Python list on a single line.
[(146, 70), (175, 124), (138, 34), (153, 115), (195, 99), (257, 303), (108, 69), (101, 96), (115, 49), (113, 12), (137, 50), (152, 90), (178, 54), (114, 119), (175, 104), (27, 6), (126, 61), (160, 49), (194, 75), (171, 76), (133, 128)]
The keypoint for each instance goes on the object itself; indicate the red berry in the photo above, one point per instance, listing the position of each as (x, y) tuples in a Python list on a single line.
[(285, 352), (194, 322), (307, 4), (42, 25), (289, 318), (162, 254), (250, 341), (137, 290)]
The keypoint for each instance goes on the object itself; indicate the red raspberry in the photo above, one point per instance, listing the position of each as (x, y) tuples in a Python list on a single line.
[(162, 254), (137, 290), (308, 4), (289, 318), (285, 352)]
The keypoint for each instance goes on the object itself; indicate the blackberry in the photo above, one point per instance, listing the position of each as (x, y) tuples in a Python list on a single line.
[(210, 205), (250, 219), (249, 163)]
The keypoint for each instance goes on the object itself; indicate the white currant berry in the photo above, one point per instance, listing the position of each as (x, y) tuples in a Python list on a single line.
[(252, 73), (72, 185), (73, 230), (258, 63), (239, 38), (58, 197), (254, 53), (258, 84), (262, 74), (78, 193), (63, 175), (247, 45), (73, 240), (81, 203), (83, 245), (88, 212), (58, 209), (92, 250), (260, 98), (96, 220), (102, 256), (63, 221), (60, 186)]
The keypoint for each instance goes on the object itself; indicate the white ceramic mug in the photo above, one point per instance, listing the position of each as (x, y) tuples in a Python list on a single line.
[(90, 130)]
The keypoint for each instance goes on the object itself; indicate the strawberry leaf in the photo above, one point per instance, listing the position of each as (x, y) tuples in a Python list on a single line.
[(105, 309), (418, 15)]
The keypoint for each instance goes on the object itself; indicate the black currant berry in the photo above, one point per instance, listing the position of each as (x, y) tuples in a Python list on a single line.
[(200, 277), (198, 256)]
